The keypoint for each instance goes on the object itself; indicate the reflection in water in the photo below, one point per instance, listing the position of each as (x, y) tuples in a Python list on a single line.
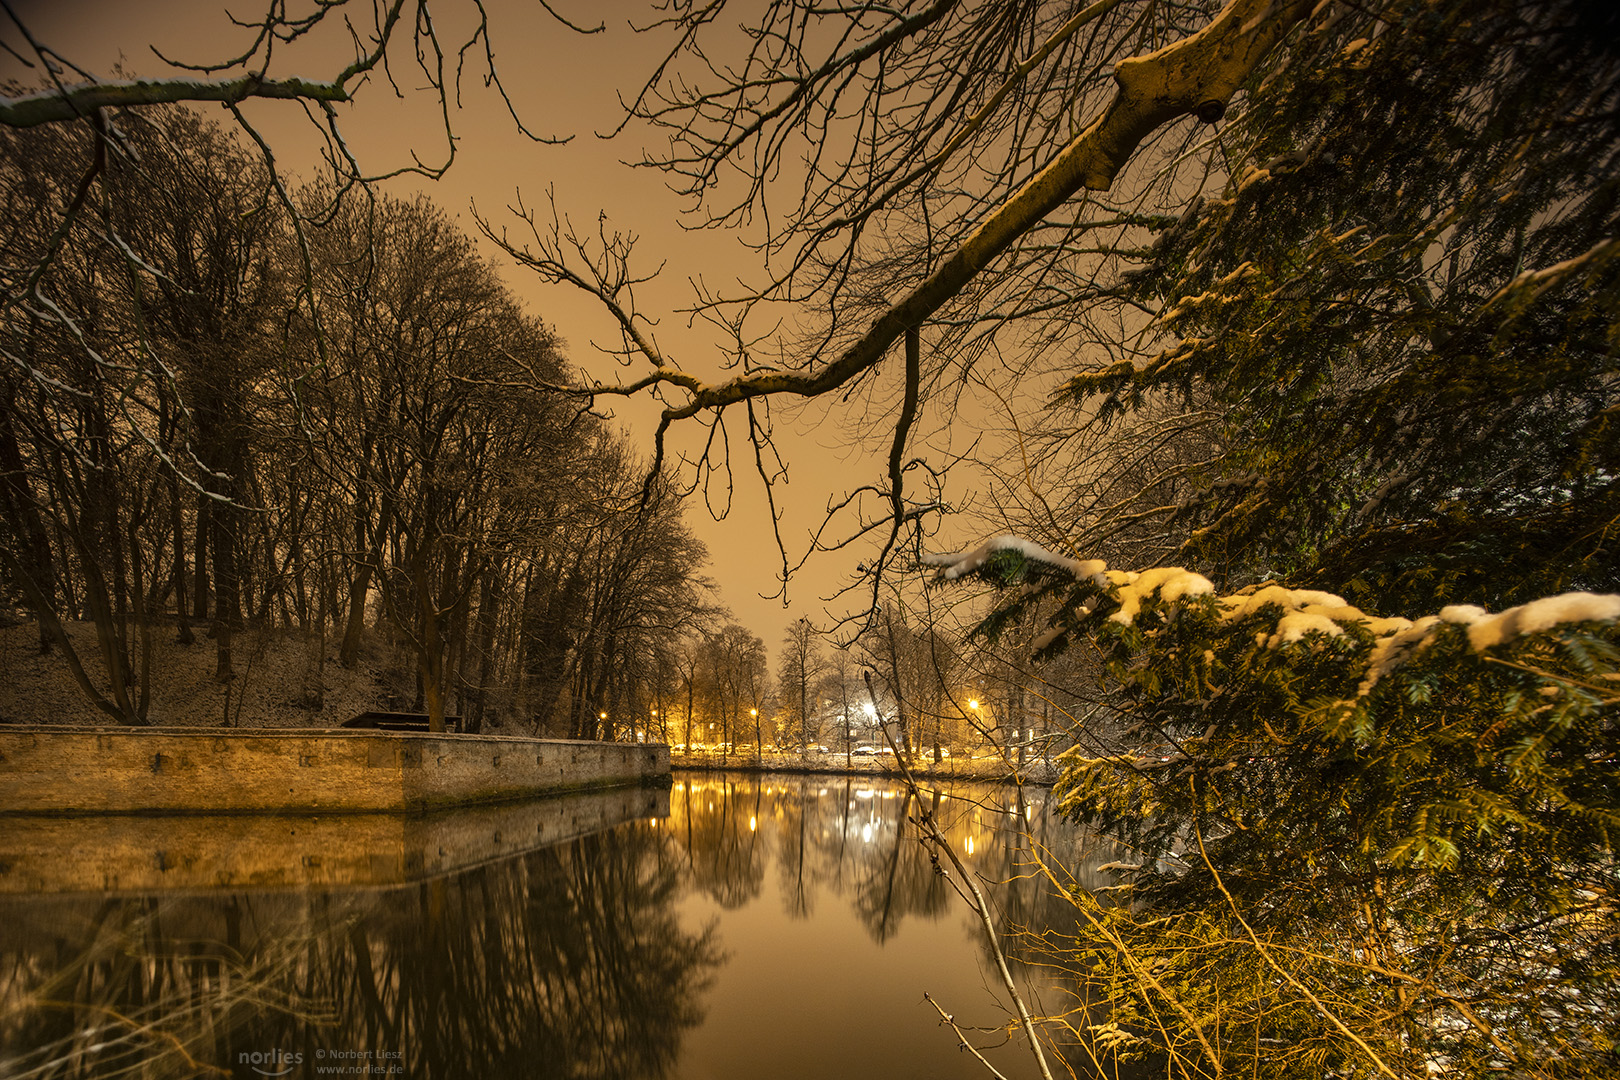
[(769, 924), (568, 960), (849, 837), (835, 922)]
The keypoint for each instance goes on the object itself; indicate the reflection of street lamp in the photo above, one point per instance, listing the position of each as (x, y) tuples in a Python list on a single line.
[(973, 703)]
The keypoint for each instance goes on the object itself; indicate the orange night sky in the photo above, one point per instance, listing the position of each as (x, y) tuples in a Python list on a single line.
[(562, 84)]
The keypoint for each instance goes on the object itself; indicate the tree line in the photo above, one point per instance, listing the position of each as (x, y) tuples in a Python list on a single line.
[(909, 681), (215, 415)]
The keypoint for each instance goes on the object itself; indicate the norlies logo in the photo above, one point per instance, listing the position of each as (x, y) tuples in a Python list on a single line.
[(270, 1062)]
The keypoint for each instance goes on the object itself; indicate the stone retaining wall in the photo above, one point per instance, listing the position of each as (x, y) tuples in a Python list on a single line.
[(168, 770), (144, 853)]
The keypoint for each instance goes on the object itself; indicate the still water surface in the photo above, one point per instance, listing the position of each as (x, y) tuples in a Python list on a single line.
[(753, 926)]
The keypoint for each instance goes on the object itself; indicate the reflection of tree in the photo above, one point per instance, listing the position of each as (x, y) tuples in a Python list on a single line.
[(897, 879), (1008, 839), (572, 954), (850, 843), (853, 840), (567, 961), (126, 987), (1019, 821), (795, 814), (726, 857)]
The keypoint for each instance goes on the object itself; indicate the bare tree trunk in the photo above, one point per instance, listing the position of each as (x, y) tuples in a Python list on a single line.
[(177, 525), (17, 499), (355, 618), (227, 599), (142, 622), (430, 659), (199, 564), (314, 695), (900, 711), (489, 594)]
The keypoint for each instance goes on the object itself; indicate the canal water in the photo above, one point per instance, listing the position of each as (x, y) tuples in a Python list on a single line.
[(747, 926)]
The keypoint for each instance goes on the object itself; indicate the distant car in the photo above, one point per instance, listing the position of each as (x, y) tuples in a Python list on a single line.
[(817, 749), (864, 751)]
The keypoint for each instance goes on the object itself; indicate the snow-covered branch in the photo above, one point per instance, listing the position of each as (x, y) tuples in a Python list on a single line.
[(1197, 74), (82, 99), (1271, 616)]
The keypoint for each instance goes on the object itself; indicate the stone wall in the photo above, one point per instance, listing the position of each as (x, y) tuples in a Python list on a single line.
[(124, 770), (142, 853)]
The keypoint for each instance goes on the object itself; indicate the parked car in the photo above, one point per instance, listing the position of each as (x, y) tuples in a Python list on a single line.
[(864, 751)]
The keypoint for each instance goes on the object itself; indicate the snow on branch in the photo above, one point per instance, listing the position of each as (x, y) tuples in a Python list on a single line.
[(1285, 616), (1195, 75), (964, 563), (1529, 286), (73, 102)]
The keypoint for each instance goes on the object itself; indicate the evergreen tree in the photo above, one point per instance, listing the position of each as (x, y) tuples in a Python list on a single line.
[(1375, 832), (1401, 307), (1364, 846)]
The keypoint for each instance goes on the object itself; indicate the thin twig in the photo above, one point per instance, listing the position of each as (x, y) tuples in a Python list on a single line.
[(947, 1018), (932, 834)]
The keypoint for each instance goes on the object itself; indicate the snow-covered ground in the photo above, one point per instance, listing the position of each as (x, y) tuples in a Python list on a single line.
[(38, 688)]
